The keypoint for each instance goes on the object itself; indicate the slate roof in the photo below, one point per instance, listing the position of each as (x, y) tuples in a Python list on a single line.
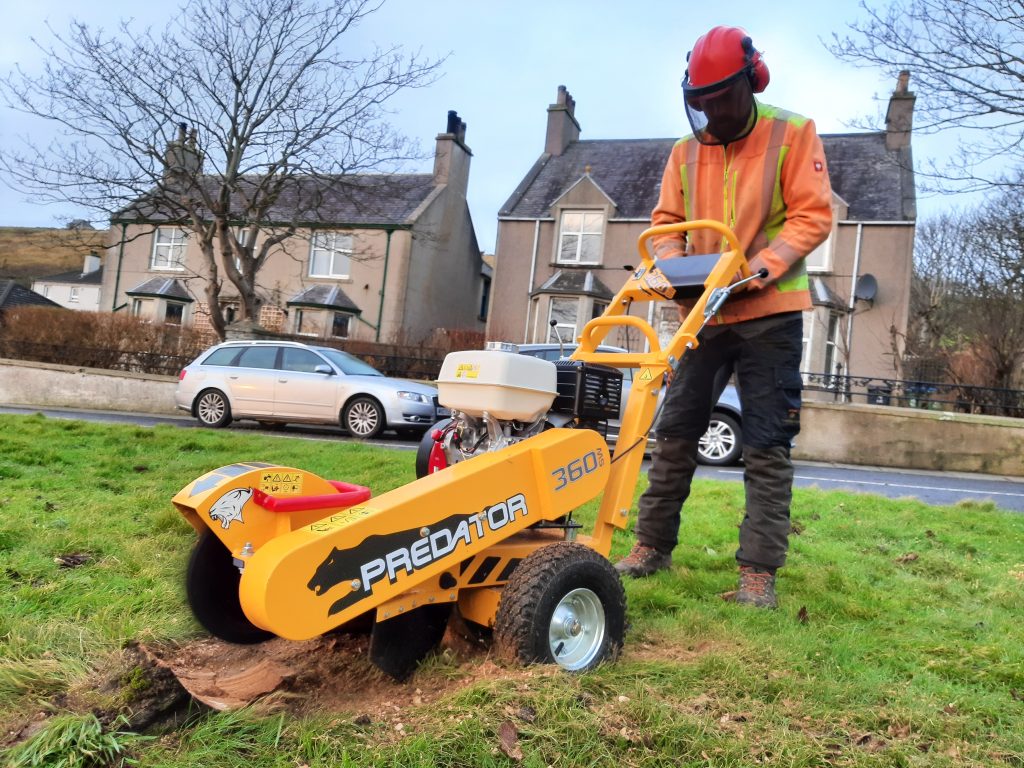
[(161, 287), (76, 277), (576, 281), (327, 296), (14, 295), (878, 184), (628, 170), (382, 199)]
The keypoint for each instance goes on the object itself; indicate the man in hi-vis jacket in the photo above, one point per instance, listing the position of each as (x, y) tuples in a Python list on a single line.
[(761, 171)]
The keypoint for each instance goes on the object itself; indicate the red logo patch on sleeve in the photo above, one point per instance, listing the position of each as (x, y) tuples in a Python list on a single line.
[(819, 166)]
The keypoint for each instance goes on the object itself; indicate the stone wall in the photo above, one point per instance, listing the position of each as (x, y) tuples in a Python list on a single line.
[(874, 435)]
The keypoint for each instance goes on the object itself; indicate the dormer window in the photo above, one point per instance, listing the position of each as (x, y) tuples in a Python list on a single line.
[(580, 237)]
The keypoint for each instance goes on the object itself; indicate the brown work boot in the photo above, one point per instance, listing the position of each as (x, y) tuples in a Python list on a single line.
[(643, 561), (757, 588)]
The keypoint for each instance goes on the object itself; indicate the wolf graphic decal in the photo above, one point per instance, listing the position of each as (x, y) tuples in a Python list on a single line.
[(228, 507)]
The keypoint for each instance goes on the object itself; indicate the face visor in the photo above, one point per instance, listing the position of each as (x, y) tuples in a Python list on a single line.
[(722, 112)]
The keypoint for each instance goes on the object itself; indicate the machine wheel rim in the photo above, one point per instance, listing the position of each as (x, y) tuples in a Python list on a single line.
[(363, 418), (718, 441), (211, 408), (577, 628)]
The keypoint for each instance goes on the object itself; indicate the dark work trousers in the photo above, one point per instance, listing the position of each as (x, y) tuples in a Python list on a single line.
[(765, 356)]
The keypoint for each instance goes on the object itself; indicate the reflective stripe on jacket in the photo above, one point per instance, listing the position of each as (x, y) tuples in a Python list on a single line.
[(771, 188)]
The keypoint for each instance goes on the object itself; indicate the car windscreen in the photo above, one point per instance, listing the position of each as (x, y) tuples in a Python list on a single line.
[(348, 364)]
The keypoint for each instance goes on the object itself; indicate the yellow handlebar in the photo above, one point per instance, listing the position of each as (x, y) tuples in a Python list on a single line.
[(685, 226)]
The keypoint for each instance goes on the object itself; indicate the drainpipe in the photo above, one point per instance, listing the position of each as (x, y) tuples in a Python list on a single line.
[(383, 285), (529, 288), (117, 274), (853, 298)]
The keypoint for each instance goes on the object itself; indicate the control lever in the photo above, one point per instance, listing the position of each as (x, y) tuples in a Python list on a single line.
[(719, 295)]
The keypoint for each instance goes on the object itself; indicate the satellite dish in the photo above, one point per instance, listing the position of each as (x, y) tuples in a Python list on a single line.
[(867, 288)]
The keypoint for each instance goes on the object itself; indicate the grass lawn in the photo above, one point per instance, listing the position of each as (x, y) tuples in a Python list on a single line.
[(898, 641)]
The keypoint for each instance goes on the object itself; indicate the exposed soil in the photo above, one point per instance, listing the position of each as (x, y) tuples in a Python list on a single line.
[(327, 674)]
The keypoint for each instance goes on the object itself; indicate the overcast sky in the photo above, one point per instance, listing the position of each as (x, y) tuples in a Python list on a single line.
[(621, 61)]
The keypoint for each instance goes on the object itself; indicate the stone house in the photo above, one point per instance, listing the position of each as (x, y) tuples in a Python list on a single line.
[(381, 257), (567, 236), (77, 289)]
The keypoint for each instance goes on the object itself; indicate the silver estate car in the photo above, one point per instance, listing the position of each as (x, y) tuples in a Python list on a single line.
[(722, 444), (276, 382)]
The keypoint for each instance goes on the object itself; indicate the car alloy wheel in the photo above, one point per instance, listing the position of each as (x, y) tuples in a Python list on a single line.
[(364, 418), (722, 443)]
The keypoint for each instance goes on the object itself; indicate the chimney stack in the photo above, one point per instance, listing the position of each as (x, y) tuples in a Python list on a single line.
[(91, 264), (451, 158), (562, 126), (183, 162), (899, 118)]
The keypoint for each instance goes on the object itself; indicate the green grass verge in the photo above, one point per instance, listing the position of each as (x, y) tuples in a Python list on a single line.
[(898, 641)]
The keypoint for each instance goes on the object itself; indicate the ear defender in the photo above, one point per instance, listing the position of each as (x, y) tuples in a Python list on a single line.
[(757, 69)]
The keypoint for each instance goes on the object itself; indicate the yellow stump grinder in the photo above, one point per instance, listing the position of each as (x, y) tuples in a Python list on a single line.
[(284, 552)]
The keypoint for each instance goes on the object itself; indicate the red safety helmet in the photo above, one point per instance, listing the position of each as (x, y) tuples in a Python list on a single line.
[(720, 54), (723, 73)]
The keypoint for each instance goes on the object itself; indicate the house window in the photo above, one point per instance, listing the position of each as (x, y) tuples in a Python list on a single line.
[(820, 259), (329, 254), (174, 313), (140, 307), (563, 313), (46, 291), (308, 322), (73, 294), (169, 249), (339, 326), (833, 365), (598, 309), (580, 237)]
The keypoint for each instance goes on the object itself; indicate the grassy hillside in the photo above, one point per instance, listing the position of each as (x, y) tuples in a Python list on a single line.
[(27, 253)]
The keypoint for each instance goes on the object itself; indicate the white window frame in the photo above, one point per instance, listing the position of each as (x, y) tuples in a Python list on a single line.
[(819, 261), (140, 308), (73, 294), (168, 305), (169, 244), (302, 312), (337, 247), (348, 324), (579, 232), (551, 337)]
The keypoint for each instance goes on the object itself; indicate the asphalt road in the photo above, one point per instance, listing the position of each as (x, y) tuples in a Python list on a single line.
[(941, 488)]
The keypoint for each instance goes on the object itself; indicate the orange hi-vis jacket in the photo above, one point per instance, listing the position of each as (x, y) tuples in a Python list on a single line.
[(771, 188)]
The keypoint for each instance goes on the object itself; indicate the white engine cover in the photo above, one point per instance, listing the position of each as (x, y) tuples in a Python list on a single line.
[(505, 384)]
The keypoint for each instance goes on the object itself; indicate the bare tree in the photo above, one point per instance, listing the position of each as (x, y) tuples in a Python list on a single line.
[(241, 117), (967, 295), (967, 62)]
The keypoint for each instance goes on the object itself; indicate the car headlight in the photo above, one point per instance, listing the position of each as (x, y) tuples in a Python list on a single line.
[(415, 397)]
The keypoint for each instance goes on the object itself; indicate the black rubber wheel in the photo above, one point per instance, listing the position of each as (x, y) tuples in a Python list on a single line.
[(211, 584), (398, 645), (212, 409), (426, 446), (363, 417), (722, 444), (564, 604)]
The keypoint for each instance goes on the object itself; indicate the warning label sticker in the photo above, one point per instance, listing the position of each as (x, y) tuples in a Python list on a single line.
[(467, 371), (646, 375), (278, 483), (342, 519)]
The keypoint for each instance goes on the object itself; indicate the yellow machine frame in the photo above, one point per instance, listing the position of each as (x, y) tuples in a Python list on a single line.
[(454, 536)]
